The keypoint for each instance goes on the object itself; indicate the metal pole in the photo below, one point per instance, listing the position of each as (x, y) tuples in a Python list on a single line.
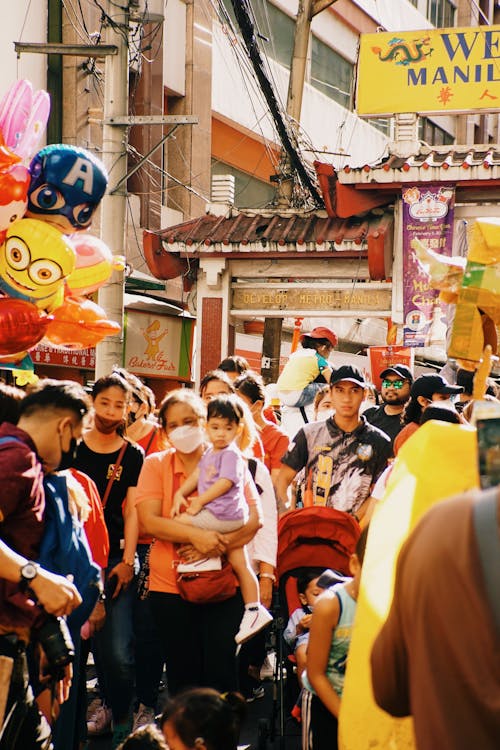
[(114, 203)]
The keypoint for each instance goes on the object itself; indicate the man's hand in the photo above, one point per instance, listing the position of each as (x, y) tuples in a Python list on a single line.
[(56, 594)]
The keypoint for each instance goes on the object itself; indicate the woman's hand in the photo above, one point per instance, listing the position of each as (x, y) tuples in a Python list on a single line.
[(178, 504), (124, 574), (203, 543)]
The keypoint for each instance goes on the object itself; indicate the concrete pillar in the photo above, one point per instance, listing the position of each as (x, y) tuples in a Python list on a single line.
[(213, 293)]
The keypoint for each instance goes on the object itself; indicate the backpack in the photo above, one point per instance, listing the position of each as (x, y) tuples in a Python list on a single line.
[(65, 550)]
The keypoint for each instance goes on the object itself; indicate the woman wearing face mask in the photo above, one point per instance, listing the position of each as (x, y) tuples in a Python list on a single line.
[(323, 405), (114, 464), (198, 638)]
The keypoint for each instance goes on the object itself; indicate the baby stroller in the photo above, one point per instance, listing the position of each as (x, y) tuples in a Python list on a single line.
[(314, 537)]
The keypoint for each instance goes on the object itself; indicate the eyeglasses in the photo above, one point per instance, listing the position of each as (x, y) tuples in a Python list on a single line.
[(393, 384)]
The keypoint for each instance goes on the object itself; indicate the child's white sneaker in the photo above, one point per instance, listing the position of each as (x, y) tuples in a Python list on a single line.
[(208, 563), (254, 619)]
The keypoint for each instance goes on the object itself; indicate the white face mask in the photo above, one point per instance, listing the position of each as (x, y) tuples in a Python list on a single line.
[(322, 416), (186, 439)]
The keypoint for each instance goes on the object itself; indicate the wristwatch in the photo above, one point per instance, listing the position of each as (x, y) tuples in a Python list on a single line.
[(29, 571)]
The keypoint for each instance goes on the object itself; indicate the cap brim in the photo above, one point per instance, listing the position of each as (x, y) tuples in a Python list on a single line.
[(451, 389), (349, 380)]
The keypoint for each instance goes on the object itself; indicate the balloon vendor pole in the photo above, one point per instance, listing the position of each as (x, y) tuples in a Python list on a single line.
[(113, 207)]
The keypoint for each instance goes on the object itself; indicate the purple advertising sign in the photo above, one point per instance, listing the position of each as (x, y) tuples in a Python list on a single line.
[(427, 216)]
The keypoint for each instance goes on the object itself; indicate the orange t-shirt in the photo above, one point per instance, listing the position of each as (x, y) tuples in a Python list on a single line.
[(275, 443), (161, 476)]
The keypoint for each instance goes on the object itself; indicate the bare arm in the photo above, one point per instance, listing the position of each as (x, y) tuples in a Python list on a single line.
[(190, 484), (323, 623), (327, 373), (242, 536), (124, 570), (208, 543), (284, 480), (218, 488), (56, 594)]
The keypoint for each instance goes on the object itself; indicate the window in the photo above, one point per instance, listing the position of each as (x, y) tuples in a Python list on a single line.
[(249, 191), (432, 134), (331, 73), (383, 124), (278, 30), (441, 13), (274, 28)]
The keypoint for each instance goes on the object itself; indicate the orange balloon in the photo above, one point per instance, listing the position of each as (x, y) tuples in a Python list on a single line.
[(22, 326), (78, 324)]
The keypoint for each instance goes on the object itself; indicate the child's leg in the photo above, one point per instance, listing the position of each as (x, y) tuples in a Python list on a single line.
[(301, 660), (248, 580)]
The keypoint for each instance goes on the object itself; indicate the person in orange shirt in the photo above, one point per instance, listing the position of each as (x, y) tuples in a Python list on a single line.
[(250, 388), (198, 639)]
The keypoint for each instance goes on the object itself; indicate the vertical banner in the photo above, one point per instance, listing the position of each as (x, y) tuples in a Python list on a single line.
[(428, 216)]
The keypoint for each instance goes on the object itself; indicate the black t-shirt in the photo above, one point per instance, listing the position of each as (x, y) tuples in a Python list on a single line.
[(340, 466), (388, 423), (99, 466)]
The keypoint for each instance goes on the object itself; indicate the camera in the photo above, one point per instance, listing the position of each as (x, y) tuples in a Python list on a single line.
[(55, 639)]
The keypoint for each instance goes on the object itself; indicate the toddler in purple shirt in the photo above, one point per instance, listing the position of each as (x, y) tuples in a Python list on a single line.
[(220, 504)]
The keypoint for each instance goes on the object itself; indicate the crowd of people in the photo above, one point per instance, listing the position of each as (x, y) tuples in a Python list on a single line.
[(178, 508)]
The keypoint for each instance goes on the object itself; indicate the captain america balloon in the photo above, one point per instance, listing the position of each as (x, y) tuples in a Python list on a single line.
[(67, 184)]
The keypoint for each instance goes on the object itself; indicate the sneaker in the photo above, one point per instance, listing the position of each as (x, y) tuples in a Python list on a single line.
[(253, 621), (257, 693), (120, 734), (100, 721), (143, 715), (208, 563)]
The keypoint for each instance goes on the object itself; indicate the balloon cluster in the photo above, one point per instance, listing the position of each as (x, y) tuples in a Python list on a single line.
[(48, 263)]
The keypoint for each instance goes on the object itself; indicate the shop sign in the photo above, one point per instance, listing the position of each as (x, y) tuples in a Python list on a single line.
[(432, 71), (427, 216), (351, 298), (81, 359), (158, 345)]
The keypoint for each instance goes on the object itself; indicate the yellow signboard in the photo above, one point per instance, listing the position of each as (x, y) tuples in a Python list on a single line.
[(312, 298), (433, 71)]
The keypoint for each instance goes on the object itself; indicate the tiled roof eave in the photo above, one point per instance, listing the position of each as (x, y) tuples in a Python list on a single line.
[(233, 251), (418, 174)]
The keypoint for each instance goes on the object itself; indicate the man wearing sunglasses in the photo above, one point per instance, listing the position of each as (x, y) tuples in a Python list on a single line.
[(396, 384)]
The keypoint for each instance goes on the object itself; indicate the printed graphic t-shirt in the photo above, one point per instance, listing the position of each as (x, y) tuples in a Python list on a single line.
[(340, 466)]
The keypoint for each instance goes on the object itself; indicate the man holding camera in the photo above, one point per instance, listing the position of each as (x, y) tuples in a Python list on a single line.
[(49, 427)]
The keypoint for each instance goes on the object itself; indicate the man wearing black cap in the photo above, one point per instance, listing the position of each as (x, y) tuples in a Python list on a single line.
[(396, 383), (343, 456)]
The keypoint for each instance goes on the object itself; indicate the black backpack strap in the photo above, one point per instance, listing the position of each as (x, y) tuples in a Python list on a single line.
[(485, 515), (302, 410)]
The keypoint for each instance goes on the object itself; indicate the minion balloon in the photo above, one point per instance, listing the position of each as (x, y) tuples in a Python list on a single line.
[(34, 261), (67, 184)]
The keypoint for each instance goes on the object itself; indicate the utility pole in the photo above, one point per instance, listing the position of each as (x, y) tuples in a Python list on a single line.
[(271, 343), (114, 204)]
